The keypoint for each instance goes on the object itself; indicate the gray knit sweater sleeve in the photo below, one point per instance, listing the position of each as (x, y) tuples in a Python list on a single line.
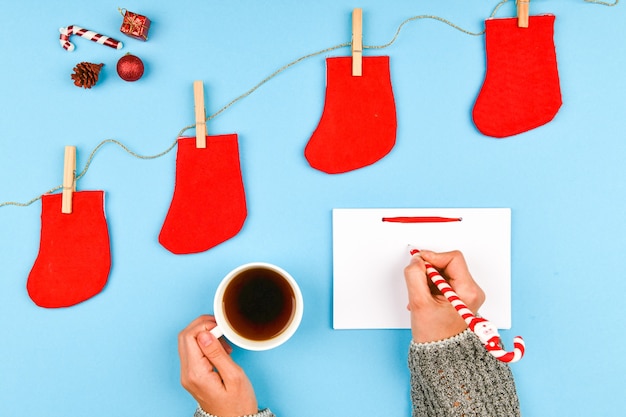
[(262, 413), (458, 377)]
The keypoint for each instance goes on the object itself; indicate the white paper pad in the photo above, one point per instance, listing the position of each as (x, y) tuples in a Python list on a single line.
[(369, 257)]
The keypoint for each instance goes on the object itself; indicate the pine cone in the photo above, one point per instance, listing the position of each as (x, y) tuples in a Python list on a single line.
[(86, 74)]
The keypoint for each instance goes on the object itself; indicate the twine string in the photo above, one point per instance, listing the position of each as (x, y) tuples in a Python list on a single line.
[(260, 84), (274, 74), (603, 3)]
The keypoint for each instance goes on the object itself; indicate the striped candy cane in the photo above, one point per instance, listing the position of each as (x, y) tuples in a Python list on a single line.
[(486, 331), (66, 32)]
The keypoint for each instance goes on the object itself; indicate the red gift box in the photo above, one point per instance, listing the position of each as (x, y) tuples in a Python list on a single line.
[(135, 25)]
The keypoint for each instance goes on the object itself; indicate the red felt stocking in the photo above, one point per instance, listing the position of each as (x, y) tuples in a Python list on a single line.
[(358, 124), (209, 202), (521, 89), (74, 254)]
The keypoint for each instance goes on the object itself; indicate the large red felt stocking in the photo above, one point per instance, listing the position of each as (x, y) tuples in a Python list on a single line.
[(521, 89), (358, 124), (209, 203), (74, 257)]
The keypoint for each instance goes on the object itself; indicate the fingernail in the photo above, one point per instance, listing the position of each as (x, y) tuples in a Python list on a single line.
[(205, 339), (415, 257)]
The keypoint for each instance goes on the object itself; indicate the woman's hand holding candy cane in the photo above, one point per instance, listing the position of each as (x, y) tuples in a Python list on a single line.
[(439, 312), (432, 316)]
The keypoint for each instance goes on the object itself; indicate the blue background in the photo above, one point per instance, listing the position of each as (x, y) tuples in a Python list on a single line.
[(116, 353)]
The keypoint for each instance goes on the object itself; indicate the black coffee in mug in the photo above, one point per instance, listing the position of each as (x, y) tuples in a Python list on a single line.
[(259, 304)]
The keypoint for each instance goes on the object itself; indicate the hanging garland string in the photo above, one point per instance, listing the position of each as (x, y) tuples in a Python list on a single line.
[(261, 83), (603, 3)]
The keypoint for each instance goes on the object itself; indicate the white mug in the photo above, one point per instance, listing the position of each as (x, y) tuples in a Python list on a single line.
[(257, 306)]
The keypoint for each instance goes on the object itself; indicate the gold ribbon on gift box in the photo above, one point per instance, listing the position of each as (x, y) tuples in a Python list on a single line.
[(135, 25)]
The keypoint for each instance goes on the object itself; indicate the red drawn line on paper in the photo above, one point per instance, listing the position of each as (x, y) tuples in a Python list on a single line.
[(422, 219)]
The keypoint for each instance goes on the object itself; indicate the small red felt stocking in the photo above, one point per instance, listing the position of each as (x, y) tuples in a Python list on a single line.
[(209, 203), (74, 257), (521, 90), (358, 124)]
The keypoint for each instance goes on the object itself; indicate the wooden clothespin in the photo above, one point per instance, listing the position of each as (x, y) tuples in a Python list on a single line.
[(357, 42), (69, 179), (522, 13), (198, 98)]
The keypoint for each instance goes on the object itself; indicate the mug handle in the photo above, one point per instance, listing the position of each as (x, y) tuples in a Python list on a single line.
[(217, 332)]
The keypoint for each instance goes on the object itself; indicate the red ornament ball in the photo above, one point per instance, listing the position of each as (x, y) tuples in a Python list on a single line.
[(130, 68)]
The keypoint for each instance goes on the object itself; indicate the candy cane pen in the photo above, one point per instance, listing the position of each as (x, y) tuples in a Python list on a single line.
[(66, 32), (486, 331)]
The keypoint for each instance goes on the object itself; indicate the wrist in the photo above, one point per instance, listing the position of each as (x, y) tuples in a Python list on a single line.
[(426, 331), (460, 337)]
